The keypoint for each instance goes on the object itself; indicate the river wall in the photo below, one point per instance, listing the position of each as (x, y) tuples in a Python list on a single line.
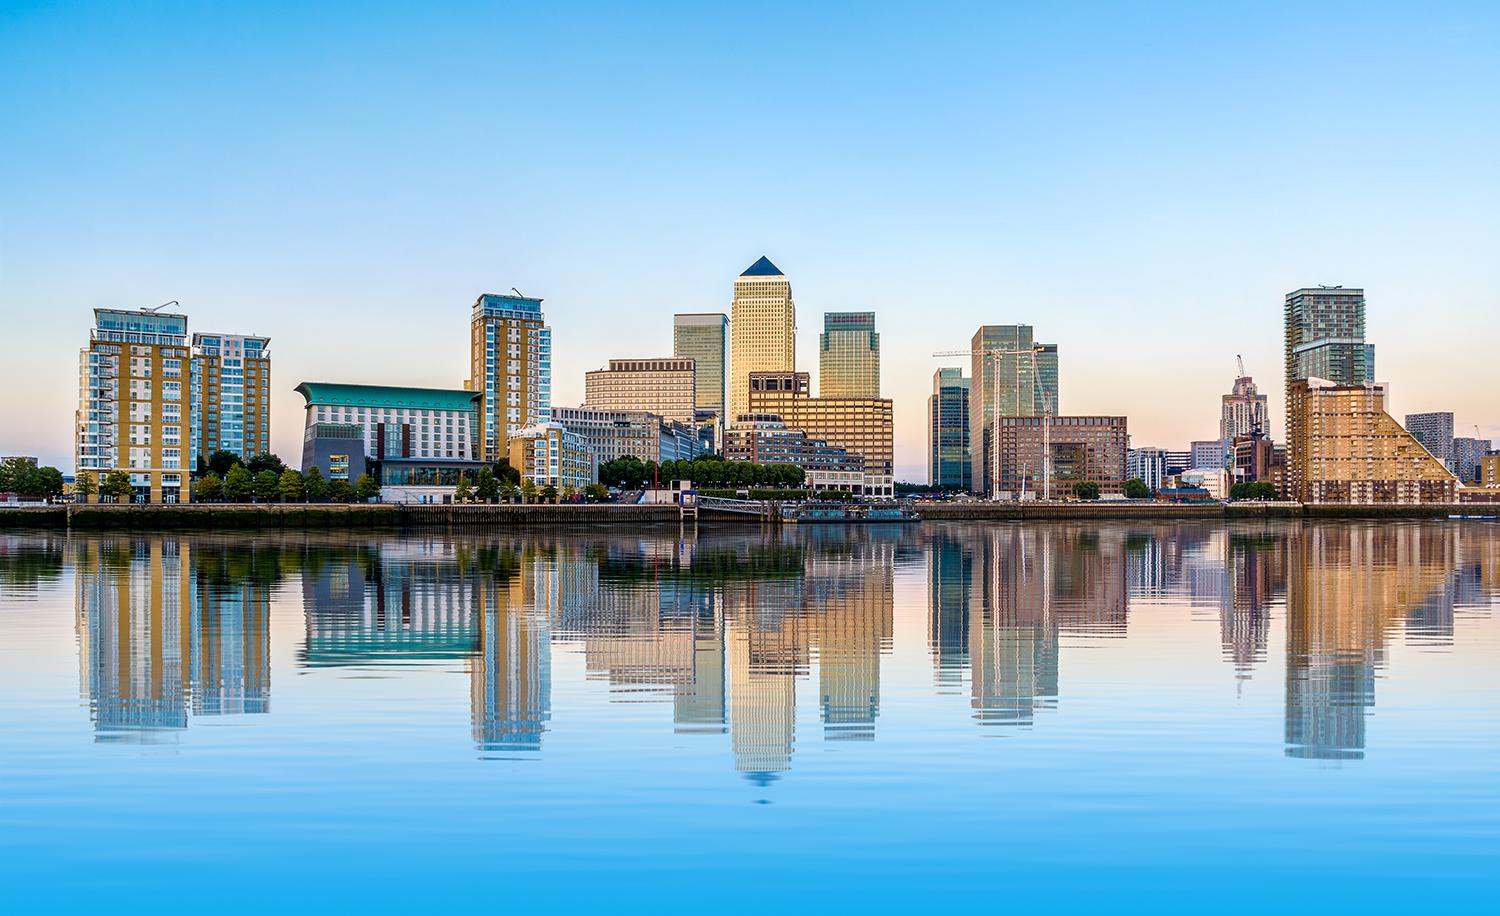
[(388, 516)]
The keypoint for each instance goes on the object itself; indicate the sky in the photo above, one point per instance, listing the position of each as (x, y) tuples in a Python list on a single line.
[(1142, 183)]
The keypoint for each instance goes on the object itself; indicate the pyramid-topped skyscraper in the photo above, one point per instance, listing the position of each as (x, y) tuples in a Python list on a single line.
[(762, 330)]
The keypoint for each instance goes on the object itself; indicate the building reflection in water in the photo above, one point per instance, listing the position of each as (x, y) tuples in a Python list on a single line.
[(722, 629), (168, 626)]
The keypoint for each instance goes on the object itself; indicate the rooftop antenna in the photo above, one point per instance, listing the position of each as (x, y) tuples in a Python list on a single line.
[(162, 306)]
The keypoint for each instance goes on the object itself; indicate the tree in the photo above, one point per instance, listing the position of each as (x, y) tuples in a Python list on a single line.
[(314, 484), (487, 487), (267, 485), (549, 494), (265, 461), (1135, 488), (208, 487), (503, 471), (238, 484), (463, 492), (339, 491), (50, 481), (118, 486), (1253, 490), (366, 488), (1086, 489), (528, 490), (596, 492), (289, 485), (221, 461), (508, 491), (83, 485)]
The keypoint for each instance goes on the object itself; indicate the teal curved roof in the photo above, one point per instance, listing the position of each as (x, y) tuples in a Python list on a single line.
[(335, 393)]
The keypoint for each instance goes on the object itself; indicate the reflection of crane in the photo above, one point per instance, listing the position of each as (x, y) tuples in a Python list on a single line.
[(1047, 410)]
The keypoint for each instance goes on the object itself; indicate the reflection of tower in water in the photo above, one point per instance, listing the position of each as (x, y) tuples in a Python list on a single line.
[(164, 629), (768, 650), (1348, 585), (950, 566), (851, 604), (511, 675)]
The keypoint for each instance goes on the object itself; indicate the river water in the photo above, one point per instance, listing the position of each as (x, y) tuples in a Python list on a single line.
[(1057, 716)]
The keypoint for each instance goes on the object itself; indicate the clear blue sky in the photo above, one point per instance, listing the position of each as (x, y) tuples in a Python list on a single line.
[(1142, 182)]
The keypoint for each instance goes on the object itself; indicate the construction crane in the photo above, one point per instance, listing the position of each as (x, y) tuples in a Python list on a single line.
[(1241, 360), (1047, 411)]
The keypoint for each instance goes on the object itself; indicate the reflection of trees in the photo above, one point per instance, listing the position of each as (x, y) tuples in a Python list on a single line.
[(27, 561)]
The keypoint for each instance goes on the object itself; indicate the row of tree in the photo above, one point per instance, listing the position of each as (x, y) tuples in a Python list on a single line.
[(489, 486), (631, 473), (241, 485), (17, 475)]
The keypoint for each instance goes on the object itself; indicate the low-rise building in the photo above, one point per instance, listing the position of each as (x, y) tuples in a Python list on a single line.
[(416, 442), (1343, 448), (860, 425), (551, 454), (612, 434), (665, 386), (1082, 449)]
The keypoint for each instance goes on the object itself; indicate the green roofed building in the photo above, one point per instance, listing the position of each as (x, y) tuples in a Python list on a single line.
[(416, 441)]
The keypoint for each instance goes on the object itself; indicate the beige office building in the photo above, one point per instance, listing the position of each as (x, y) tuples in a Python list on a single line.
[(849, 356), (664, 386), (1343, 448), (861, 426), (762, 330)]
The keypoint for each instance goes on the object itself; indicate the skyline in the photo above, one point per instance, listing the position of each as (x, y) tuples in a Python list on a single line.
[(351, 201)]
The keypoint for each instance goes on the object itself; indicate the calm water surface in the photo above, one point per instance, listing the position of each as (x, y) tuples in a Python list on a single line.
[(1049, 716)]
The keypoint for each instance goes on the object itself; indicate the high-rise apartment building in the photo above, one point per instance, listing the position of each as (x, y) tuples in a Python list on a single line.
[(863, 426), (1147, 464), (948, 429), (762, 330), (664, 386), (135, 403), (1435, 432), (510, 365), (849, 356), (1325, 337), (232, 382), (1342, 447), (1467, 453), (704, 338), (1242, 412), (1012, 376)]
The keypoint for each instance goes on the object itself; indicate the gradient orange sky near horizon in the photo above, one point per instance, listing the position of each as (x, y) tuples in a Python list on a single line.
[(1141, 185)]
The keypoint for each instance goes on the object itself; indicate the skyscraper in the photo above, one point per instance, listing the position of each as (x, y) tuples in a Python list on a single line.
[(511, 366), (1018, 381), (1325, 336), (762, 330), (849, 356), (948, 429), (1241, 412), (1467, 454), (704, 337), (1435, 432), (232, 382)]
